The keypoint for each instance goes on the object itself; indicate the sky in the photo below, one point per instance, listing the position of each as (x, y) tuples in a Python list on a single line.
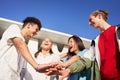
[(66, 16)]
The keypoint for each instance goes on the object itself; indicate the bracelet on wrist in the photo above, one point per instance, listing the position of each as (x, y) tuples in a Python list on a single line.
[(37, 67)]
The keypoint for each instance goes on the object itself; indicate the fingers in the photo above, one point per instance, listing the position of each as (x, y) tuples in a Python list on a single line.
[(52, 71), (61, 78), (43, 67), (48, 73)]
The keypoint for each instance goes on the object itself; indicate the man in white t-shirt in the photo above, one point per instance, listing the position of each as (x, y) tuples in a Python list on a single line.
[(13, 49)]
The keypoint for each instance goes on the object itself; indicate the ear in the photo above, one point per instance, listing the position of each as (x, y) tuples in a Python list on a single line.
[(99, 16), (28, 25)]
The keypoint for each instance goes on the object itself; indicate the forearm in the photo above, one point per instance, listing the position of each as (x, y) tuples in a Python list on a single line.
[(23, 50), (63, 55), (71, 60)]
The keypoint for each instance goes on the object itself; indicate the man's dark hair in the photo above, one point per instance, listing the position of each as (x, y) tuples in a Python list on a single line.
[(32, 20)]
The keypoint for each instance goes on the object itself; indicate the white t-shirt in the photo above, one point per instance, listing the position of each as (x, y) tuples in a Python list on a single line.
[(41, 59), (11, 61)]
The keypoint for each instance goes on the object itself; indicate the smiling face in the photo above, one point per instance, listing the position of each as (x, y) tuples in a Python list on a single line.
[(30, 27), (98, 19), (94, 21), (32, 30), (73, 46), (46, 44)]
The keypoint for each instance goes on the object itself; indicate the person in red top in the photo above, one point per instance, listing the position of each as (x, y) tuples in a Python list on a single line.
[(106, 45)]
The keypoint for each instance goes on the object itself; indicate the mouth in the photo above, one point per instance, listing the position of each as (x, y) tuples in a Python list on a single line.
[(70, 47), (28, 37)]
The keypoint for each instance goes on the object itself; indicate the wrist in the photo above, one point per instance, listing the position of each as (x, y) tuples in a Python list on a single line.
[(37, 67), (68, 70), (65, 64)]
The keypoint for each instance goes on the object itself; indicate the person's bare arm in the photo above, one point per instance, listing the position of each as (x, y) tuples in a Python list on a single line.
[(63, 55), (71, 60), (24, 51)]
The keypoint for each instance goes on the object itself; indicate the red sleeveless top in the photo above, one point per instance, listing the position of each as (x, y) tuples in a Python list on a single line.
[(109, 55)]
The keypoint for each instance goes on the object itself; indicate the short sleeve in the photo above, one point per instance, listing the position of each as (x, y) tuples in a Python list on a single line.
[(12, 32)]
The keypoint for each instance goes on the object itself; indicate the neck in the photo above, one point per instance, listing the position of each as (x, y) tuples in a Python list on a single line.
[(45, 52), (77, 51), (104, 26)]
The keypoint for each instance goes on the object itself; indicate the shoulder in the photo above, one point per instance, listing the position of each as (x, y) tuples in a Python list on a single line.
[(118, 25), (84, 50), (14, 26), (55, 55), (81, 53)]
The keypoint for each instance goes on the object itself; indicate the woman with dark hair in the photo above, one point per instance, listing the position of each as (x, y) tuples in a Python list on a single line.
[(75, 53), (76, 48), (75, 45)]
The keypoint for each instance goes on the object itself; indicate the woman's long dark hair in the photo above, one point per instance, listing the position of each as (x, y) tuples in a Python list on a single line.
[(79, 42)]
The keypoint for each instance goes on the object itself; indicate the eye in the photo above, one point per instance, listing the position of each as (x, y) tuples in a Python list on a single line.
[(90, 20)]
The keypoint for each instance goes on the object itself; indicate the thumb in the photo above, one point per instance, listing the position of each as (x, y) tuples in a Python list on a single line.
[(62, 77)]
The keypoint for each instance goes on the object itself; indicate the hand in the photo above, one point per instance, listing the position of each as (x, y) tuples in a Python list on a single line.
[(61, 66), (64, 73), (55, 68), (52, 71), (46, 67)]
